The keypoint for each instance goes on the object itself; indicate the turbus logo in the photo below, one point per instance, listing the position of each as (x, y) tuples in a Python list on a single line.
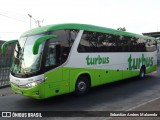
[(135, 63), (97, 60)]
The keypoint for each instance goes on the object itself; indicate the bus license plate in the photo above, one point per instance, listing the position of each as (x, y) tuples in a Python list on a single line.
[(19, 92)]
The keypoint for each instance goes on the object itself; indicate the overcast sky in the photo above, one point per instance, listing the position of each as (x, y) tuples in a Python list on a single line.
[(138, 16)]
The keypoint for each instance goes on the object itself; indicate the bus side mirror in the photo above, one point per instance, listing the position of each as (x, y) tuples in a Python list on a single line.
[(4, 45), (39, 41)]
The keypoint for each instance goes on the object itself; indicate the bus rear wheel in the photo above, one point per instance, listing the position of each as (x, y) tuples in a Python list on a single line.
[(82, 85), (142, 73)]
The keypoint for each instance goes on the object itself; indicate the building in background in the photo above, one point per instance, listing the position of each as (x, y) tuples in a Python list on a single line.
[(5, 64), (152, 34), (156, 35)]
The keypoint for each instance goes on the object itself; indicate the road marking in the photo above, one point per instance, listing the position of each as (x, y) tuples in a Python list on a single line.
[(136, 106), (142, 104)]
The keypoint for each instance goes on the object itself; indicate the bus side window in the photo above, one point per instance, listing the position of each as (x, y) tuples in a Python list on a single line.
[(58, 54), (51, 54), (64, 53)]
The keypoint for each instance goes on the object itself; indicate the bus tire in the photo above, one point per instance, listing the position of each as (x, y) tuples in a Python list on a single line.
[(142, 72), (82, 85)]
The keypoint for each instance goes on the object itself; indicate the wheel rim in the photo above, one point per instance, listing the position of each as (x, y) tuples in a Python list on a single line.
[(142, 74), (82, 86)]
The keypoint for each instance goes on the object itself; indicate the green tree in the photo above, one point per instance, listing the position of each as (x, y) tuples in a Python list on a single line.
[(121, 28)]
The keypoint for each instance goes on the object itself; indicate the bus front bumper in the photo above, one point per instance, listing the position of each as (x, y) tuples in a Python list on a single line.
[(36, 92)]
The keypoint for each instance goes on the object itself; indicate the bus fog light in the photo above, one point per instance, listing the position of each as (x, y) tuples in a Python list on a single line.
[(36, 92)]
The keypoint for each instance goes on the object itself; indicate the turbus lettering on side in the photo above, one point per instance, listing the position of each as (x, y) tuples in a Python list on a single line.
[(135, 63), (97, 60)]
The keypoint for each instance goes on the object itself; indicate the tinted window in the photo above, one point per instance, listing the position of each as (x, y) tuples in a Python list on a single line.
[(104, 42)]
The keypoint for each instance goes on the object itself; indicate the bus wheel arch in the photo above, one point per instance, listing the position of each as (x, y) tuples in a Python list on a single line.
[(83, 84), (142, 72)]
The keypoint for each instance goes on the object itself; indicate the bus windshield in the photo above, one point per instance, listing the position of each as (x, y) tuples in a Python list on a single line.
[(24, 60)]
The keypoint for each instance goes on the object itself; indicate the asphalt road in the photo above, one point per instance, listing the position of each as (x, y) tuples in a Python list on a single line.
[(119, 96)]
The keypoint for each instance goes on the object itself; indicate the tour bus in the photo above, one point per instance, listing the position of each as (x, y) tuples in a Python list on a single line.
[(63, 58)]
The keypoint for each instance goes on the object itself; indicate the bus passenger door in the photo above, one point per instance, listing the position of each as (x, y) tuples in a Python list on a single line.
[(55, 82)]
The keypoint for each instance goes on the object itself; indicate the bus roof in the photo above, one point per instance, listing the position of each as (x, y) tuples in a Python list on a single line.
[(82, 27)]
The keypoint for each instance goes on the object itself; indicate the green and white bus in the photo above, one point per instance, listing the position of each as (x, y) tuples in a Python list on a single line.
[(63, 58)]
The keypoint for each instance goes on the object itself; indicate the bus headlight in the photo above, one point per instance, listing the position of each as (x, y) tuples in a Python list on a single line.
[(33, 84)]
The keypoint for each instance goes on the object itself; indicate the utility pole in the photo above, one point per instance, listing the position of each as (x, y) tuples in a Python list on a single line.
[(36, 21), (30, 20)]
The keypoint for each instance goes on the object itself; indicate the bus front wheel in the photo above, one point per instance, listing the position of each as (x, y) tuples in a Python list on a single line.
[(82, 85)]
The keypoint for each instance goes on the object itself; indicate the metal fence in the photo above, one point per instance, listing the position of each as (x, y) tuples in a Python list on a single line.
[(5, 64)]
